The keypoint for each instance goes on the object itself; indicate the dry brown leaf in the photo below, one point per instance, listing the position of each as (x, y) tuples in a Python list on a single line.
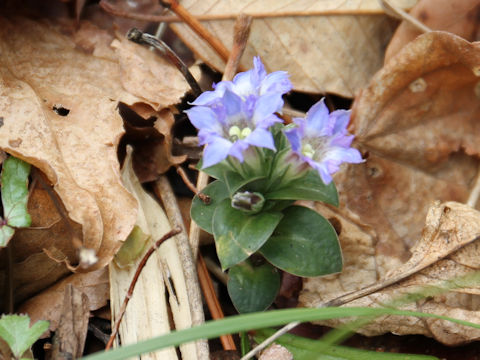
[(148, 76), (58, 106), (335, 53), (69, 339), (48, 304), (458, 17), (418, 123), (153, 147)]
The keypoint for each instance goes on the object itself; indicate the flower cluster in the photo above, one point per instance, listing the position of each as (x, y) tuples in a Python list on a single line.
[(322, 141), (238, 114)]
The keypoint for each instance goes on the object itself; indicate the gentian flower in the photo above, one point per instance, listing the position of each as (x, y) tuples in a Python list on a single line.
[(238, 113), (321, 140)]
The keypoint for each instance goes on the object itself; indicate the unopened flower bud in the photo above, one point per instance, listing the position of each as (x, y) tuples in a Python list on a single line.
[(249, 202)]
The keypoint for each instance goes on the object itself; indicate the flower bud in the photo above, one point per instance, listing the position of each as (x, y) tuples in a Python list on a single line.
[(249, 202)]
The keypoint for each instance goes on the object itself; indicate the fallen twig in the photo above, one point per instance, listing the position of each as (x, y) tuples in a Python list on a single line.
[(164, 191), (212, 301), (196, 26), (140, 37), (134, 282)]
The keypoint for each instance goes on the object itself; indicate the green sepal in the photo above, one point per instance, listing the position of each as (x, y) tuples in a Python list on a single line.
[(252, 288), (201, 212), (239, 235), (304, 244)]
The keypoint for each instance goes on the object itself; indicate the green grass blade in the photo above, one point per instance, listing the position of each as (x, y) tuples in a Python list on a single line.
[(212, 329), (303, 348)]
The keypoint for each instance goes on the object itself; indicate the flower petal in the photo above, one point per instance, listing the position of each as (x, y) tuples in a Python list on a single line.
[(341, 119), (294, 137), (261, 138), (237, 149), (216, 151), (277, 81), (265, 106), (204, 118), (318, 120), (258, 73)]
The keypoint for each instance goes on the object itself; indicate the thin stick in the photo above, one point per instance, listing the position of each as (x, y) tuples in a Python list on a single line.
[(129, 294), (139, 37), (402, 15), (475, 193), (163, 190), (111, 9), (197, 27), (241, 31), (205, 198), (269, 340), (212, 301), (242, 26)]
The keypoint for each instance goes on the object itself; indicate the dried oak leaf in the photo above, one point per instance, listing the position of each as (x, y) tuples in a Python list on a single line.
[(418, 122), (326, 46), (461, 17), (441, 277), (59, 111), (49, 303)]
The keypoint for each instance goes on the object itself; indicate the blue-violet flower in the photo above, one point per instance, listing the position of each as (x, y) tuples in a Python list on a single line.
[(321, 140), (238, 113)]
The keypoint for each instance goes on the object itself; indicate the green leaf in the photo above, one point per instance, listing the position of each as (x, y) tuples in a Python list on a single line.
[(17, 333), (235, 182), (15, 192), (303, 349), (6, 233), (304, 244), (202, 213), (238, 235), (308, 187), (132, 248), (247, 322), (252, 288)]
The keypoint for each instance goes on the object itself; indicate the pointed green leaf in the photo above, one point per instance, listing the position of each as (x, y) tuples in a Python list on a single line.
[(201, 212), (17, 333), (309, 187), (304, 244), (15, 192), (252, 288), (238, 235)]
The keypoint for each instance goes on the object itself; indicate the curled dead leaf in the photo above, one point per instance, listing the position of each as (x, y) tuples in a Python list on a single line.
[(417, 124), (58, 106)]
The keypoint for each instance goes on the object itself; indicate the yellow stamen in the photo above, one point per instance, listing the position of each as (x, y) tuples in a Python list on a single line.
[(307, 150)]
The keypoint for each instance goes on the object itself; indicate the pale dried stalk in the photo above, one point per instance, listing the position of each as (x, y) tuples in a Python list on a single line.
[(240, 37), (475, 193), (147, 313), (129, 293), (190, 287)]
